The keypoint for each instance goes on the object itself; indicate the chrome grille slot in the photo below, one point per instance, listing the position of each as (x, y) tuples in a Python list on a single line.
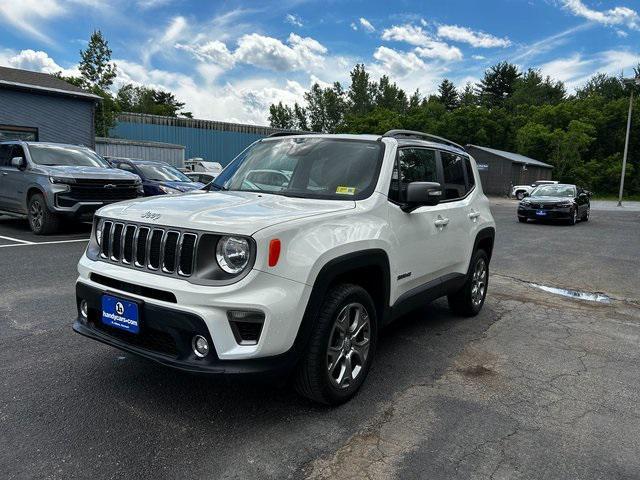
[(141, 246), (116, 242), (169, 252), (106, 239), (127, 250), (187, 254), (155, 249)]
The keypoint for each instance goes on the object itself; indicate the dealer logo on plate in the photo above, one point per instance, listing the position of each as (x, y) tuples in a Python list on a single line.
[(119, 308)]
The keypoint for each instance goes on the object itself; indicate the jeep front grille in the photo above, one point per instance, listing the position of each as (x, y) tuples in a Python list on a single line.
[(159, 249)]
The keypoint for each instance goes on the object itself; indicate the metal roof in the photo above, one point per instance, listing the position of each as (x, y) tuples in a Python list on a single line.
[(514, 157), (44, 82)]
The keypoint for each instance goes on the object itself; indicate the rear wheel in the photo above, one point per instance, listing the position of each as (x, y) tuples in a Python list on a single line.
[(41, 220), (468, 301), (341, 347)]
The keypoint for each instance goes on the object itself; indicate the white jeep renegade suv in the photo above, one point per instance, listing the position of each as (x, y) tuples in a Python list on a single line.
[(292, 260)]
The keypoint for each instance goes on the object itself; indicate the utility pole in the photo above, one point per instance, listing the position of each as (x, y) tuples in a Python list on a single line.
[(630, 82)]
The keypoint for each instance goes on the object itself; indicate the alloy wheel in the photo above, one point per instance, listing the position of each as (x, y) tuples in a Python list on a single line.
[(36, 215), (479, 282), (348, 347)]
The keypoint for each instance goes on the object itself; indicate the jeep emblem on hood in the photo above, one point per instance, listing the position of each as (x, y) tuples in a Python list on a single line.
[(150, 215)]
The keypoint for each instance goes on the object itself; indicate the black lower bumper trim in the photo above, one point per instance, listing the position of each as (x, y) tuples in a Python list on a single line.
[(165, 337)]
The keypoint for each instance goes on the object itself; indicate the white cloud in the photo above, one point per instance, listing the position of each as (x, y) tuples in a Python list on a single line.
[(576, 69), (29, 15), (400, 63), (35, 61), (294, 20), (426, 46), (473, 38), (177, 27), (299, 53), (354, 26), (623, 16), (478, 57), (149, 4), (366, 24), (622, 33)]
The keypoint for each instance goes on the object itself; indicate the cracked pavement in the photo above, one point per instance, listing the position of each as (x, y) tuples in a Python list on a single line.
[(536, 386)]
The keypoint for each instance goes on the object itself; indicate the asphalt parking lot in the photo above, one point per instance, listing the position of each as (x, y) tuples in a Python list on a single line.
[(537, 386)]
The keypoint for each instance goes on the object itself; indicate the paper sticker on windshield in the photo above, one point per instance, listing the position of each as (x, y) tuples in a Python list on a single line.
[(346, 190)]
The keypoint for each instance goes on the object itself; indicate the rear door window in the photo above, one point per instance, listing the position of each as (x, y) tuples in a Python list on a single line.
[(458, 175)]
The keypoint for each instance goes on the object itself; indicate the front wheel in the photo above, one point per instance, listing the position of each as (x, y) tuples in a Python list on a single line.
[(41, 220), (341, 347), (468, 301), (522, 219), (585, 217), (574, 217)]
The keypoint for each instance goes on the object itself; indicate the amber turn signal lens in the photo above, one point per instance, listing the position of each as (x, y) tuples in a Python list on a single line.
[(274, 252)]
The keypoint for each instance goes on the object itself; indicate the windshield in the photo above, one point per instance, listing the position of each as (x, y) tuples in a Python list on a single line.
[(554, 191), (306, 167), (162, 173), (65, 155)]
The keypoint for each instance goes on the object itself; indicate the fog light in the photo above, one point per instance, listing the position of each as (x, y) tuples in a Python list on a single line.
[(84, 309), (200, 346)]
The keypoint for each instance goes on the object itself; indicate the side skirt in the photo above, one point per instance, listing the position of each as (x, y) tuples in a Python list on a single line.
[(423, 294)]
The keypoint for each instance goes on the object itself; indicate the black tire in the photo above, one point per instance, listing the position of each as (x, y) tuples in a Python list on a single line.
[(522, 219), (465, 301), (41, 220), (312, 378), (585, 217), (574, 217)]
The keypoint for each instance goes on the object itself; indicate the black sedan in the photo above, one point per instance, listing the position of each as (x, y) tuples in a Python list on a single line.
[(555, 202)]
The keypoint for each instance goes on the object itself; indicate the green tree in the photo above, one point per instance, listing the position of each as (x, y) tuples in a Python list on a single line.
[(389, 96), (281, 116), (360, 93), (140, 99), (468, 96), (498, 84), (95, 62), (448, 95)]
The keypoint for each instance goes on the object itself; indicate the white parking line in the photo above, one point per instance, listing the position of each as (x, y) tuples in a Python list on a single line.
[(26, 242), (31, 244)]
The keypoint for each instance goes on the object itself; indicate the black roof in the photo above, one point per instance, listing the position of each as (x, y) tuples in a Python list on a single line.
[(28, 80)]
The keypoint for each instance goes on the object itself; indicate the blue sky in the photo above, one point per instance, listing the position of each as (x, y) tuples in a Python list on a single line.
[(228, 60)]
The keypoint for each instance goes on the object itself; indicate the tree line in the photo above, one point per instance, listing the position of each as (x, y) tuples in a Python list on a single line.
[(98, 74), (580, 134)]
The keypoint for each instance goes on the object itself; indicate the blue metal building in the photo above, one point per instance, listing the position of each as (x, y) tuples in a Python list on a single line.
[(207, 139)]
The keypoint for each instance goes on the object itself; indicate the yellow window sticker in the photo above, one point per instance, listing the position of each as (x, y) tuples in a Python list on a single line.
[(346, 190)]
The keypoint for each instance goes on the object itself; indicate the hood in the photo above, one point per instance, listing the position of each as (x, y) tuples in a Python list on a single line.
[(85, 172), (241, 213), (180, 186), (547, 199)]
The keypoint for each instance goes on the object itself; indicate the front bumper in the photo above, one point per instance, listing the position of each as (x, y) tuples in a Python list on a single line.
[(166, 338), (554, 213), (169, 303)]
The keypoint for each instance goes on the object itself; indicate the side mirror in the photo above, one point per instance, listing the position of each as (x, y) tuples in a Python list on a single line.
[(526, 194), (422, 193), (19, 162), (583, 194)]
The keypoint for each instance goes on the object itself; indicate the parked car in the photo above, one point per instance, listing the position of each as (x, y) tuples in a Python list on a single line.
[(203, 178), (200, 165), (49, 181), (291, 279), (519, 190), (556, 202), (158, 178)]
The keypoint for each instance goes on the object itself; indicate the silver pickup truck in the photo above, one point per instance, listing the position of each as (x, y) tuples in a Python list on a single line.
[(50, 181)]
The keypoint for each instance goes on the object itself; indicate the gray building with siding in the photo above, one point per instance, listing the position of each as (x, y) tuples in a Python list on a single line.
[(500, 170), (39, 106), (140, 150)]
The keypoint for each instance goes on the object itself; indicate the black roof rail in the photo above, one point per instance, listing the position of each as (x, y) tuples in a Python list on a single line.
[(286, 133), (424, 136)]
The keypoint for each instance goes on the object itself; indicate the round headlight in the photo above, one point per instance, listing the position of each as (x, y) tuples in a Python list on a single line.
[(232, 254)]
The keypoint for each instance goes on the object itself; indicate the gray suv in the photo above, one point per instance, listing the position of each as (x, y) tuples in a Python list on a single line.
[(49, 181)]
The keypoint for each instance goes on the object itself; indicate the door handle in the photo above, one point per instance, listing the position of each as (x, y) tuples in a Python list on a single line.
[(441, 222), (474, 215)]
